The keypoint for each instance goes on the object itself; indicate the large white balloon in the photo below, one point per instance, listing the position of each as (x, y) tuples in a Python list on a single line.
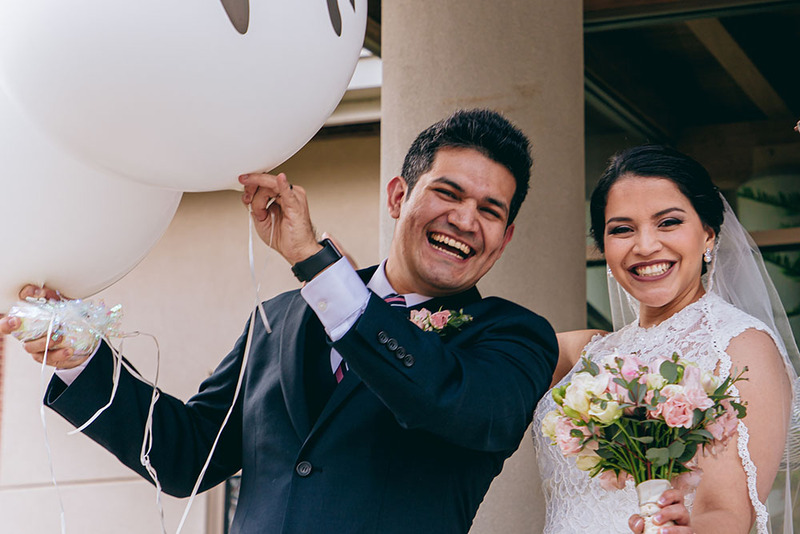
[(185, 94), (65, 224)]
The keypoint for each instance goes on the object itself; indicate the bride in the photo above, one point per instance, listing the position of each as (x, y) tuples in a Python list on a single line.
[(662, 224)]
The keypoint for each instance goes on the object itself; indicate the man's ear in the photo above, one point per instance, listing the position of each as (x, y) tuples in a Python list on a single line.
[(396, 191), (507, 237)]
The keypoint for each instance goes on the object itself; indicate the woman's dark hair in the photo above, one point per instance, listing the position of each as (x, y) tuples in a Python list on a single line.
[(658, 161)]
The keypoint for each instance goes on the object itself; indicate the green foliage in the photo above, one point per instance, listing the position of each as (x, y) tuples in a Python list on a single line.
[(638, 440), (787, 201)]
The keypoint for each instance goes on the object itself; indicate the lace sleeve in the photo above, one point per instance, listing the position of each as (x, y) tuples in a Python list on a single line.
[(726, 325)]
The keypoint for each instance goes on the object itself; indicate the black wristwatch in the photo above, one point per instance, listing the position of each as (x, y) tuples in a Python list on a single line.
[(310, 267)]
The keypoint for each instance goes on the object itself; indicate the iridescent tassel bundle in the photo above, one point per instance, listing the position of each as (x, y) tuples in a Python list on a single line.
[(80, 324)]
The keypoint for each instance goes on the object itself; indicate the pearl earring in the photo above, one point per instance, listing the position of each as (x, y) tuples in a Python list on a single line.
[(609, 273), (707, 255)]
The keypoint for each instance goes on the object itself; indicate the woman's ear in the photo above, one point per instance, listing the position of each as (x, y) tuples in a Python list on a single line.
[(711, 237)]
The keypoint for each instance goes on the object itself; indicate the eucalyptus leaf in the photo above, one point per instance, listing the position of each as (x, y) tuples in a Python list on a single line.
[(669, 370)]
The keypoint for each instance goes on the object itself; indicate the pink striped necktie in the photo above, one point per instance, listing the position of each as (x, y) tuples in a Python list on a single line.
[(394, 300)]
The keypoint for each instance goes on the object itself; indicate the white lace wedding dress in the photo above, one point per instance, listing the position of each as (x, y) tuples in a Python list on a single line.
[(700, 332)]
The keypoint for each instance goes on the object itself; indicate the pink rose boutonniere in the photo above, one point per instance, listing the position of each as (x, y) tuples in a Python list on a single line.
[(439, 321)]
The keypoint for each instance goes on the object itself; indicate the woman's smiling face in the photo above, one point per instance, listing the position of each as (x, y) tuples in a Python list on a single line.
[(654, 242)]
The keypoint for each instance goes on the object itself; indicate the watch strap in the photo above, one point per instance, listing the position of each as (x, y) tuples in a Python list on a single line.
[(310, 267)]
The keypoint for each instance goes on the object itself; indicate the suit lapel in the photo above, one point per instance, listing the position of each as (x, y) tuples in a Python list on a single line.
[(292, 354), (342, 391)]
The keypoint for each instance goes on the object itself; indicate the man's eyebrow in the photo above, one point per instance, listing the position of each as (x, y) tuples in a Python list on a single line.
[(451, 183), (491, 200)]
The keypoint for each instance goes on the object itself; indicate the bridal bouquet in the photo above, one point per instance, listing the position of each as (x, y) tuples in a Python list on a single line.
[(623, 419)]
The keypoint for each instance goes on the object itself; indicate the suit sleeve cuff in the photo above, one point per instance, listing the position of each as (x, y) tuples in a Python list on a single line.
[(68, 376), (338, 297)]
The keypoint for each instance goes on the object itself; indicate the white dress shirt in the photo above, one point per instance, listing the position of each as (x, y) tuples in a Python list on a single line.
[(338, 297)]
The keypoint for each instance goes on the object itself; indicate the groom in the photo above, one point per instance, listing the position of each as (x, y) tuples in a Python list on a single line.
[(351, 417)]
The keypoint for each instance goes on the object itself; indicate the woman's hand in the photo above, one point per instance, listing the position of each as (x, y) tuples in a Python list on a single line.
[(672, 509)]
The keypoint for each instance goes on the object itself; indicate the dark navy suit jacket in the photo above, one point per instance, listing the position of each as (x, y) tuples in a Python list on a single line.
[(409, 441)]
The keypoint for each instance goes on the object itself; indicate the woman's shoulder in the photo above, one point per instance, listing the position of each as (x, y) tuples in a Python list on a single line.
[(571, 345), (735, 327)]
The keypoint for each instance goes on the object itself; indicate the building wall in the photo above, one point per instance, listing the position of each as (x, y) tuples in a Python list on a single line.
[(193, 292)]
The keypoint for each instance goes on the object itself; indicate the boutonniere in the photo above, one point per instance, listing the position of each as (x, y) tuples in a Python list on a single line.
[(439, 321)]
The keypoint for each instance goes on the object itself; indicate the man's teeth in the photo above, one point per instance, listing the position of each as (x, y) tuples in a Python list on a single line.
[(653, 270), (450, 242)]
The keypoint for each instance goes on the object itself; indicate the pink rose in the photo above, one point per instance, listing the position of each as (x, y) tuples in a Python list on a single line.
[(724, 427), (676, 410), (631, 368), (439, 319), (570, 445), (687, 482), (693, 388), (420, 318), (609, 480)]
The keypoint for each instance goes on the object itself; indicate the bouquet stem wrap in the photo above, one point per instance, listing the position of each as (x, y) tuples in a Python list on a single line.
[(649, 492)]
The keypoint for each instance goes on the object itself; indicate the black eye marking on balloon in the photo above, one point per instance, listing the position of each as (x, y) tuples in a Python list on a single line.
[(239, 13), (336, 16)]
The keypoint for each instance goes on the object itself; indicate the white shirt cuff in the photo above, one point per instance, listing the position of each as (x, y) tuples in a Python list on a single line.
[(338, 297), (68, 376)]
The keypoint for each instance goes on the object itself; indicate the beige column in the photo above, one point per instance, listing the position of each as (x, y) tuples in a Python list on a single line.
[(525, 59)]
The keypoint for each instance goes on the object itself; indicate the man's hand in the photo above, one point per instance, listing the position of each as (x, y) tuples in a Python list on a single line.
[(280, 213), (58, 355)]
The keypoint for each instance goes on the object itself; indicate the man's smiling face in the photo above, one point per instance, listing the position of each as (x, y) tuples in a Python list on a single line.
[(452, 226)]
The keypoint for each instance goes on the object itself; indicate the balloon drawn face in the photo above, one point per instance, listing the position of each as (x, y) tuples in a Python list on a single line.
[(239, 14), (185, 95)]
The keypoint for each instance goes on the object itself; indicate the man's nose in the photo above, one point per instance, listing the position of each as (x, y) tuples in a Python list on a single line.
[(464, 216)]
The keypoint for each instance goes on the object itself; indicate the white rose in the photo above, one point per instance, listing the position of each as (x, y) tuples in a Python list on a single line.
[(710, 382), (587, 462), (582, 389), (549, 424), (606, 415), (655, 381)]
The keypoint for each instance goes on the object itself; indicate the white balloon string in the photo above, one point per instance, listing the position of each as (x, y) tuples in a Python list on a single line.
[(147, 441), (251, 257), (43, 384), (114, 383), (258, 306), (224, 421)]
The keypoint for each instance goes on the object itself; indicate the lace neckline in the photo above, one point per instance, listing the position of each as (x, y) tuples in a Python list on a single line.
[(665, 324)]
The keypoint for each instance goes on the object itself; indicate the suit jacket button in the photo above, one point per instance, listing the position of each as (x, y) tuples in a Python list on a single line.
[(409, 360), (303, 468), (392, 344), (383, 337), (400, 353)]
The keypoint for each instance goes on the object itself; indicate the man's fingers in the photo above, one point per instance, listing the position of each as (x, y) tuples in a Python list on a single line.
[(40, 344), (258, 182), (60, 359), (8, 325), (36, 292)]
